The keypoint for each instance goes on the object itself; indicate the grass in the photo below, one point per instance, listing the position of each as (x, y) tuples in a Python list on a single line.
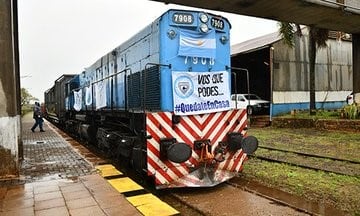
[(338, 190), (330, 143), (320, 114), (26, 109)]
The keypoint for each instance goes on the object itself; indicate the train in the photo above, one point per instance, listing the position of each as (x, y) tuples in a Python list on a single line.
[(160, 103)]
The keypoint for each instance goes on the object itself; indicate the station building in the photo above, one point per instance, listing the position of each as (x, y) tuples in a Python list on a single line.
[(280, 74)]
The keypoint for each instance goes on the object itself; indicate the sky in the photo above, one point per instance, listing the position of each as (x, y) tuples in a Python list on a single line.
[(65, 36)]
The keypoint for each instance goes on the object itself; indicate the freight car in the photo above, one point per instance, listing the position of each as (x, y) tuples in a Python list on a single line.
[(161, 102)]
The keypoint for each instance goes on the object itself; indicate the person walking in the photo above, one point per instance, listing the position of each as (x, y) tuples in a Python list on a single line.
[(37, 115)]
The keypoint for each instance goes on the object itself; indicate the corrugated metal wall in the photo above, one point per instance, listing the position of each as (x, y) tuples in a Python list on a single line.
[(333, 69), (333, 66)]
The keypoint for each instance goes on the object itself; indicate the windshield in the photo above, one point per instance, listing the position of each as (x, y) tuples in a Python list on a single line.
[(252, 97)]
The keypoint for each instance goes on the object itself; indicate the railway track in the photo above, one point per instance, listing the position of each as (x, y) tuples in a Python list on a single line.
[(309, 161), (279, 197), (224, 199), (190, 201)]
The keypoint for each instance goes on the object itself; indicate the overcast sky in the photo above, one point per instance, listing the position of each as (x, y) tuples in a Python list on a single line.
[(64, 36)]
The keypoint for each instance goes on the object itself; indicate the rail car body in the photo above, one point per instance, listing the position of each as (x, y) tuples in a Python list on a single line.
[(161, 101)]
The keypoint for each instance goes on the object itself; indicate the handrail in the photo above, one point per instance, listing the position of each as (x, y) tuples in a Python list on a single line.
[(114, 74), (247, 79), (97, 81)]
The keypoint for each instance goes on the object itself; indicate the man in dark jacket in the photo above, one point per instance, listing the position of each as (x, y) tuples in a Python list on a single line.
[(37, 115)]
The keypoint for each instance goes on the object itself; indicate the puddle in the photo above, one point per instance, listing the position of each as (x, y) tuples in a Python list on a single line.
[(39, 142), (50, 177), (47, 162), (72, 179)]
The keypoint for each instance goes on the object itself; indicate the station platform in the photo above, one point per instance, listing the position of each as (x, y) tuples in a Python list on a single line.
[(61, 177)]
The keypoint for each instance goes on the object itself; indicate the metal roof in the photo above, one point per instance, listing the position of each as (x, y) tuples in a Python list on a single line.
[(255, 44), (269, 39)]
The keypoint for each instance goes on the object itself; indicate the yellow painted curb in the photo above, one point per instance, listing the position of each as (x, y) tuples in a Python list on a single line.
[(108, 170), (145, 204), (124, 185)]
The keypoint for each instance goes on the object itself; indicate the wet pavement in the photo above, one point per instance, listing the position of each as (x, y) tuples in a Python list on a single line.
[(88, 195), (225, 200), (239, 196), (58, 177)]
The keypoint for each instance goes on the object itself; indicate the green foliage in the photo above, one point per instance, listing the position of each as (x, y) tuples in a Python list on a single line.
[(26, 97), (352, 111), (286, 30), (319, 35), (26, 109)]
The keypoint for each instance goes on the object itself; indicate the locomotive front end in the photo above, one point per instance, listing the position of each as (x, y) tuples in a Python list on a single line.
[(197, 139)]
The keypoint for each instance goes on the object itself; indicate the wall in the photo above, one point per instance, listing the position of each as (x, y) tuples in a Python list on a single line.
[(10, 124), (333, 69), (356, 68)]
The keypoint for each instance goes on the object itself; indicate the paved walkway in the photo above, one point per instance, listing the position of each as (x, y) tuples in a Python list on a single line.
[(58, 178)]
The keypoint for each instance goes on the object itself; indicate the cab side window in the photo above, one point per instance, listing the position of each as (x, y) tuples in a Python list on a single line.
[(241, 98)]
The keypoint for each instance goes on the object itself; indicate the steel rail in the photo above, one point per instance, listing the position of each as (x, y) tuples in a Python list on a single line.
[(310, 155), (303, 166)]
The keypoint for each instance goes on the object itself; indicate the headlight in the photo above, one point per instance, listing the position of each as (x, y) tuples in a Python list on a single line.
[(249, 144), (204, 28), (204, 18), (176, 152), (171, 34), (223, 39)]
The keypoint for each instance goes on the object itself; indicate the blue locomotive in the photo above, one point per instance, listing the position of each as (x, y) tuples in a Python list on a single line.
[(161, 102)]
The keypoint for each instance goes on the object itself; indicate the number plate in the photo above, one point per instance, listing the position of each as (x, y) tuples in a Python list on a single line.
[(217, 23), (183, 18)]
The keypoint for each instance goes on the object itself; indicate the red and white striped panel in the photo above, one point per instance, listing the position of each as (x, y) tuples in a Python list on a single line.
[(213, 126)]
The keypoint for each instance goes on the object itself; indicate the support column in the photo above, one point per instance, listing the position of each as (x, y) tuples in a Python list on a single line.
[(10, 115), (356, 66)]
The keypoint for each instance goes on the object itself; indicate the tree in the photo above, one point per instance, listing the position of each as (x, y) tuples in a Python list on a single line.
[(317, 39), (26, 97)]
